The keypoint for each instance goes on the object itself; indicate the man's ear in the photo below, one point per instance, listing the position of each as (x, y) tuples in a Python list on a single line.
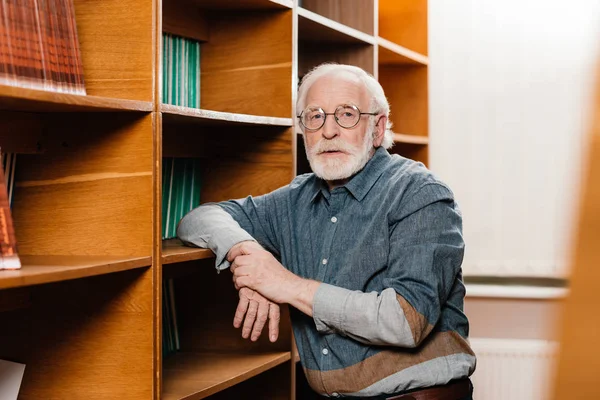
[(379, 132)]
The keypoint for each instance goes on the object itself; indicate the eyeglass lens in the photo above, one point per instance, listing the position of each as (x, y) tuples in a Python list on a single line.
[(346, 115)]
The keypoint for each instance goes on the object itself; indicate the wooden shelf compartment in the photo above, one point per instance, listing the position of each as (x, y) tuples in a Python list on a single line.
[(83, 333), (178, 114), (404, 22), (21, 99), (311, 54), (236, 160), (37, 270), (355, 14), (213, 356), (391, 53), (316, 27), (85, 189), (406, 88), (173, 251), (117, 55), (245, 55), (192, 376)]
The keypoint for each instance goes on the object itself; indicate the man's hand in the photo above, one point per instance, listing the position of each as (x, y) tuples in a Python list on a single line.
[(254, 310), (258, 269), (255, 268)]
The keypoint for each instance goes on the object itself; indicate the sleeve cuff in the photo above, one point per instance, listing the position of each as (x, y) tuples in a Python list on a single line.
[(328, 308), (227, 239)]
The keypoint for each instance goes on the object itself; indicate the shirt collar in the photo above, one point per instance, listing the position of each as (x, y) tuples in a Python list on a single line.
[(360, 184)]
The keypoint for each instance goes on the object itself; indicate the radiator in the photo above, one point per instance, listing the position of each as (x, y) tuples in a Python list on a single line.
[(513, 369)]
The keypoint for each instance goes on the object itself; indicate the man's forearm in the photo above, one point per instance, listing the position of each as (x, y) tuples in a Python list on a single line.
[(209, 226), (372, 318), (301, 295)]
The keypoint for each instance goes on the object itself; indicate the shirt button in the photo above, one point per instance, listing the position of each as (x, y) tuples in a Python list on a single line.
[(325, 352), (324, 261), (334, 219), (335, 394)]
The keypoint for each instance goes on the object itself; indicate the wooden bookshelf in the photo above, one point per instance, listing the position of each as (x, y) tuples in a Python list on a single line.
[(194, 376), (88, 201), (37, 270)]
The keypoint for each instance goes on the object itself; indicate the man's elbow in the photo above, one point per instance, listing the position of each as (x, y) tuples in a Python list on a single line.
[(185, 228)]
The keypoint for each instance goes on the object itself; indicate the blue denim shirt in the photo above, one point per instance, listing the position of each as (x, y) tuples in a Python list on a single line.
[(388, 248)]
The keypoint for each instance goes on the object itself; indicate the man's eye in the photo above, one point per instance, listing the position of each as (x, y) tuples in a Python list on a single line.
[(315, 117)]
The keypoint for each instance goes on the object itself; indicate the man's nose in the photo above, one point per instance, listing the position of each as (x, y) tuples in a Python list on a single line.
[(330, 129)]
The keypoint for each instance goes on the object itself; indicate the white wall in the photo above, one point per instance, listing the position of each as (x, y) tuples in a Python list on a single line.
[(510, 92)]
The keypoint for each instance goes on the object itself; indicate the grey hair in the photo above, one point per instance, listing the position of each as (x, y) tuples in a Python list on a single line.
[(378, 100)]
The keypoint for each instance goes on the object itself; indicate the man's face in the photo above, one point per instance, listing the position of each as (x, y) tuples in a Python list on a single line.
[(336, 153)]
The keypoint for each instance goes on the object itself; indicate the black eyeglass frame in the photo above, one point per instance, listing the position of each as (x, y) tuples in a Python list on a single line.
[(335, 117)]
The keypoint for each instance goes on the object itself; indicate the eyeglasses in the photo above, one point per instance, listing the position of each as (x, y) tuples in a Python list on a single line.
[(346, 115)]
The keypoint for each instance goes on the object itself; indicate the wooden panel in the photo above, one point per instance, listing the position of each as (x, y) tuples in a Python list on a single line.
[(20, 132), (257, 80), (84, 339), (90, 193), (173, 251), (116, 39), (206, 303), (238, 161), (406, 90), (579, 358), (357, 14), (404, 22), (312, 54), (45, 269), (157, 254), (414, 152), (20, 99), (254, 168), (193, 376), (184, 18)]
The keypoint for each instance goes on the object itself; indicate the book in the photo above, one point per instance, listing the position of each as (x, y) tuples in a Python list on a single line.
[(39, 46), (181, 71), (180, 191), (11, 376), (9, 258)]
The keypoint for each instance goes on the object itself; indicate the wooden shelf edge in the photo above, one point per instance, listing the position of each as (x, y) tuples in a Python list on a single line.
[(410, 139), (403, 51), (38, 270), (284, 3), (24, 99), (225, 117), (336, 26), (260, 362), (173, 251)]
